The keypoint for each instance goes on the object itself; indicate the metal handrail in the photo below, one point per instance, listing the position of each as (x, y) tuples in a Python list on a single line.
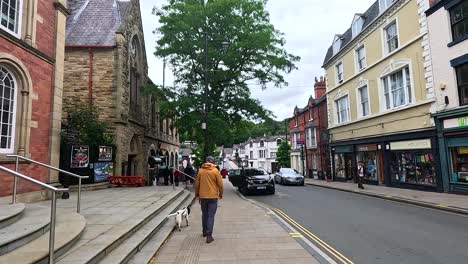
[(53, 208), (183, 173), (18, 157)]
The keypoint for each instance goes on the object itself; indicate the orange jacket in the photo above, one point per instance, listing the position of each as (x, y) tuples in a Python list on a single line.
[(208, 183)]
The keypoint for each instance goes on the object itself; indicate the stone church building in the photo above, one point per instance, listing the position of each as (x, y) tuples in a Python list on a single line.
[(106, 66)]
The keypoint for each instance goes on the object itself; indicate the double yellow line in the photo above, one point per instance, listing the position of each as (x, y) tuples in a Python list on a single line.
[(309, 234)]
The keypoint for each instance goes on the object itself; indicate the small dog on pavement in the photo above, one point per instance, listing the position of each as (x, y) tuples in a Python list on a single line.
[(180, 215)]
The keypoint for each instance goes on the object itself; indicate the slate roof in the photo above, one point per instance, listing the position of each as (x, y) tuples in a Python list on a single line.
[(94, 22), (369, 16)]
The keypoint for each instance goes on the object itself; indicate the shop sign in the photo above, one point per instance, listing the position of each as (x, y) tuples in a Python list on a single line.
[(456, 122), (411, 144), (102, 171), (364, 148), (463, 150)]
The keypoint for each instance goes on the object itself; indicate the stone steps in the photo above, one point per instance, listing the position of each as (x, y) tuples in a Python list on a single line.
[(131, 246), (9, 213), (146, 253), (33, 223), (96, 249), (68, 228)]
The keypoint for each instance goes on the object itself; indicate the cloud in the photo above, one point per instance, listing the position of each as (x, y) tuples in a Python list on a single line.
[(309, 27)]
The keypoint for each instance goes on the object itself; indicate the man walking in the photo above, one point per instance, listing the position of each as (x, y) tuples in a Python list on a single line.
[(208, 188), (360, 175)]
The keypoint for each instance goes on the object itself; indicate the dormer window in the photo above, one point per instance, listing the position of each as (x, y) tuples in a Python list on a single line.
[(384, 4), (356, 27), (336, 45), (262, 143)]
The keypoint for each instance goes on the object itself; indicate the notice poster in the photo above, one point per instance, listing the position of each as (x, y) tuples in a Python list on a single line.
[(79, 157), (105, 153), (102, 171)]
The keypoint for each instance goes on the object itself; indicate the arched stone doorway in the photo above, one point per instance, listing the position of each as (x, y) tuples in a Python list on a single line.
[(133, 165)]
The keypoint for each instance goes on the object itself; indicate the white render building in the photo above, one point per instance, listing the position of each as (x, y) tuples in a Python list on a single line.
[(261, 152)]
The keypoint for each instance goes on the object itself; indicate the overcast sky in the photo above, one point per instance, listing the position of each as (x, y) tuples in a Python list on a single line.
[(309, 27)]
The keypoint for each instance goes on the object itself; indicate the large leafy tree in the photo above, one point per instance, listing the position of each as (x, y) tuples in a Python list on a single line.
[(283, 155), (256, 54)]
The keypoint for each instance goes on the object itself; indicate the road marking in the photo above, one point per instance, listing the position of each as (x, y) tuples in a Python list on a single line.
[(329, 248), (288, 225), (309, 234)]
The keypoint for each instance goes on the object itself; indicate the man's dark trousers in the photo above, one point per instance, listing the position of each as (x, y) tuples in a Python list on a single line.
[(209, 207)]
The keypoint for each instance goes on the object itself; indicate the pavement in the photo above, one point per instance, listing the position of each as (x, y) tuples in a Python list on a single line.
[(372, 230), (442, 201), (243, 233)]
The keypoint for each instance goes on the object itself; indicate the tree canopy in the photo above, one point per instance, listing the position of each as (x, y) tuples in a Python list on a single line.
[(283, 155), (256, 55)]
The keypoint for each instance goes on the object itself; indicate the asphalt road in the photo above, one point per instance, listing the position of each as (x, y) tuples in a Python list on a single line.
[(371, 230)]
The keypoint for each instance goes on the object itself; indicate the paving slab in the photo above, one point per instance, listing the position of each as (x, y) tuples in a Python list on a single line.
[(243, 233)]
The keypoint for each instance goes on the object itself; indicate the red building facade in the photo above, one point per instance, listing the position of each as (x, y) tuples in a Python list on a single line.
[(31, 74), (309, 127)]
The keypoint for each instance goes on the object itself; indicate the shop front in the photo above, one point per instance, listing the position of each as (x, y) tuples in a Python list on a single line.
[(406, 160), (372, 160), (452, 128), (343, 163), (413, 163)]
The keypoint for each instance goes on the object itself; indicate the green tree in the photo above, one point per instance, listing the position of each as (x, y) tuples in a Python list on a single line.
[(256, 54), (283, 155)]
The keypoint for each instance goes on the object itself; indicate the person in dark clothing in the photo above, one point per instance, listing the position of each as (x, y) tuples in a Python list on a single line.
[(361, 173), (165, 173), (189, 171)]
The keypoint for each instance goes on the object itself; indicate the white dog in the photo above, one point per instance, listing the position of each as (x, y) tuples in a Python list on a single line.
[(181, 214)]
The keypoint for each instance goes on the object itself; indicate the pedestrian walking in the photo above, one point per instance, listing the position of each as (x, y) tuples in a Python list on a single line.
[(190, 172), (224, 172), (360, 175), (208, 188)]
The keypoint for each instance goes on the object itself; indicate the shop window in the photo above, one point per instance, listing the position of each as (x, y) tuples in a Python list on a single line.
[(340, 165), (459, 21), (415, 167), (369, 160), (10, 15), (462, 79), (459, 157)]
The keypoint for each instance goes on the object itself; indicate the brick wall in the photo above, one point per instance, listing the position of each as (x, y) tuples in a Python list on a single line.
[(40, 92), (45, 27)]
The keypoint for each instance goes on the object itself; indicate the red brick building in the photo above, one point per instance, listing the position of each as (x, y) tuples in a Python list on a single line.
[(31, 74), (309, 125)]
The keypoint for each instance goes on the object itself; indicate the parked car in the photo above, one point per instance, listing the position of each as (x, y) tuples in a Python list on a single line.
[(289, 176), (252, 180)]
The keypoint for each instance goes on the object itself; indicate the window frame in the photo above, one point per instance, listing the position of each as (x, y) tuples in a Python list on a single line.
[(387, 103), (262, 143), (361, 103), (356, 26), (357, 59), (452, 25), (338, 119), (311, 137), (337, 74), (19, 5), (385, 40), (382, 8), (336, 45), (12, 148), (459, 86)]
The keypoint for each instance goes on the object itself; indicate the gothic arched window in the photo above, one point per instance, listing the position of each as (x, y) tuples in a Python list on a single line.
[(7, 110)]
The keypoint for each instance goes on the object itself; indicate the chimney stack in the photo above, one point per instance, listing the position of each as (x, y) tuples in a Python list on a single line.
[(320, 87)]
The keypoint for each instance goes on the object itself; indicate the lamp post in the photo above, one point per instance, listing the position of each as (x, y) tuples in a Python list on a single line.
[(225, 46)]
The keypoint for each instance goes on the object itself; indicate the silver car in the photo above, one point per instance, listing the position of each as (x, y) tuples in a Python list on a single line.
[(289, 176)]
